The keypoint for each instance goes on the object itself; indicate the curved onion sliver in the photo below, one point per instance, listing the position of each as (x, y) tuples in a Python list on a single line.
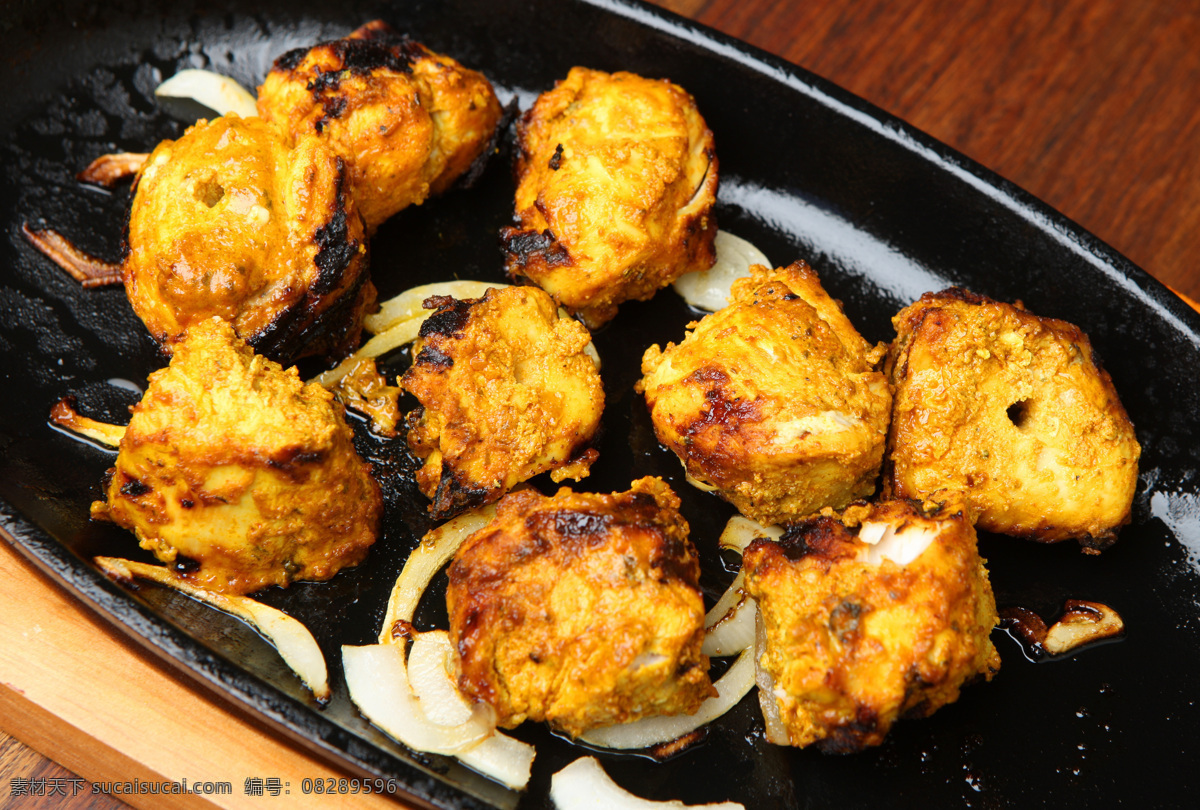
[(741, 531), (731, 688), (729, 626), (709, 289), (408, 304), (291, 638), (378, 682), (429, 674), (776, 731), (219, 93), (584, 785), (435, 550), (503, 758)]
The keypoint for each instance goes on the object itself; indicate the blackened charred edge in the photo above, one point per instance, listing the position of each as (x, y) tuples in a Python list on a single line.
[(336, 250), (556, 158), (295, 332), (452, 498), (290, 60), (471, 176), (185, 565), (450, 319), (523, 247), (133, 488), (431, 357), (816, 536), (332, 109), (361, 56), (851, 737)]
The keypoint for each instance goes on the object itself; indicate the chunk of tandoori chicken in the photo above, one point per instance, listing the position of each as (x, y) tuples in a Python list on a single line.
[(231, 221), (582, 610), (617, 178), (1012, 411), (883, 614), (407, 121), (239, 473), (773, 400), (507, 391)]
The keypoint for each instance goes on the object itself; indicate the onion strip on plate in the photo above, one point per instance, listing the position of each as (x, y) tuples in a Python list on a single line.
[(731, 688), (291, 638), (219, 93), (709, 289), (584, 785)]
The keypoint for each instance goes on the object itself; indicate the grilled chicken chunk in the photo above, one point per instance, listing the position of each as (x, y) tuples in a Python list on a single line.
[(1012, 411), (507, 391), (617, 177), (582, 609), (230, 221), (407, 121), (239, 473), (881, 615), (773, 400)]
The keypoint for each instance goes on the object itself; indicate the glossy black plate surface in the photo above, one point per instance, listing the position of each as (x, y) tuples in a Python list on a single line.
[(882, 212)]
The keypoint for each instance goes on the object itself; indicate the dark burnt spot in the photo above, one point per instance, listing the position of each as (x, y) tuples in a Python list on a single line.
[(580, 524), (523, 247), (294, 458), (556, 158), (431, 357), (187, 503), (451, 316), (853, 736), (336, 250), (185, 565), (333, 109), (290, 60), (723, 412), (453, 498), (818, 536), (133, 488), (843, 621), (358, 57)]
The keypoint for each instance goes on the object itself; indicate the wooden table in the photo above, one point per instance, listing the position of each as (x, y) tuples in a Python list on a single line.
[(1092, 105)]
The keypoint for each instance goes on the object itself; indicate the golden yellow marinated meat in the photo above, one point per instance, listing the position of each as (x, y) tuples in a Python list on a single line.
[(407, 121), (230, 221), (239, 473), (617, 177), (773, 400), (581, 609), (1011, 410), (507, 391), (855, 634)]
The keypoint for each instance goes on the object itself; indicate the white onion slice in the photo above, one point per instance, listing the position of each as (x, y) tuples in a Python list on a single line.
[(900, 544), (434, 551), (584, 785), (709, 289), (432, 683), (291, 638), (408, 304), (219, 93), (378, 682), (729, 626), (741, 531), (503, 758), (775, 730), (731, 688)]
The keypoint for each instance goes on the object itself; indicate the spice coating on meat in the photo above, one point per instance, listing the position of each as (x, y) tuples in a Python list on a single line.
[(581, 609), (850, 645), (507, 392), (229, 221), (1011, 410), (235, 465), (407, 121), (773, 400), (616, 181)]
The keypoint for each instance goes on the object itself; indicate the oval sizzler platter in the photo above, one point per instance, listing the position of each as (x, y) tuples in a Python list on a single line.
[(883, 214)]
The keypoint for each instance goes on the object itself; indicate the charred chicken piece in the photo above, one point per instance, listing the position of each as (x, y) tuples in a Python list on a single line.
[(861, 628), (1012, 411), (582, 609), (506, 391), (239, 473), (407, 121), (617, 177), (230, 221), (773, 400)]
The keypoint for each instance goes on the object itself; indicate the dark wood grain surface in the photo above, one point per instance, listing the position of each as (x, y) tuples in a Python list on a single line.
[(1091, 105)]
